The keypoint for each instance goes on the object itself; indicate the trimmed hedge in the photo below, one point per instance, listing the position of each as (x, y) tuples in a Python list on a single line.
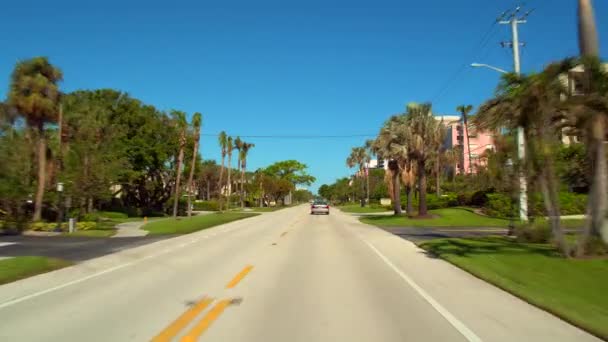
[(501, 205), (206, 205), (50, 226)]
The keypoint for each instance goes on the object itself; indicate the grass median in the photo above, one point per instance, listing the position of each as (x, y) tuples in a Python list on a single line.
[(455, 217), (571, 289), (186, 225), (16, 268)]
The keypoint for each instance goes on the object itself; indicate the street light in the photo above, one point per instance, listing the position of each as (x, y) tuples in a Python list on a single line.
[(521, 152), (481, 65)]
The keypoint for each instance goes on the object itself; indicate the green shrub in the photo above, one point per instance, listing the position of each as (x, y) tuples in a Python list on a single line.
[(50, 226), (111, 215), (570, 203), (479, 198), (91, 217), (464, 198), (86, 225), (443, 201), (206, 205), (537, 232), (499, 205)]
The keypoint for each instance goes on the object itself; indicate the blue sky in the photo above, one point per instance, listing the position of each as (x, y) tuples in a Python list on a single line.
[(286, 67)]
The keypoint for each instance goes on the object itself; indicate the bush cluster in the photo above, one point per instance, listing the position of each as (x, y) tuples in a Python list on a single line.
[(50, 226), (206, 205)]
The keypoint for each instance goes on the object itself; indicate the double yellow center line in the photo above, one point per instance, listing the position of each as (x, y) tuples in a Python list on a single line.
[(189, 315)]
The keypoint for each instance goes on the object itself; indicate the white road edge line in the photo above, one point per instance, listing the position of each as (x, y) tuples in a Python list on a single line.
[(455, 322), (94, 275)]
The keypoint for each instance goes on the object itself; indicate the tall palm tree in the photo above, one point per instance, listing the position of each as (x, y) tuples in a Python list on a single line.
[(464, 111), (229, 149), (238, 145), (223, 142), (196, 126), (357, 157), (179, 119), (589, 50), (423, 145), (34, 93), (392, 144), (451, 157), (245, 147), (534, 102), (368, 158)]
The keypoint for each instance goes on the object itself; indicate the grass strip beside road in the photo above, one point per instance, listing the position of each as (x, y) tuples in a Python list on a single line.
[(449, 217), (357, 209), (195, 223), (572, 289), (16, 268)]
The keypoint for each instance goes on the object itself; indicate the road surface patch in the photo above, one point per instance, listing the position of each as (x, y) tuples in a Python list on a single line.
[(206, 321), (182, 321), (455, 322), (237, 279)]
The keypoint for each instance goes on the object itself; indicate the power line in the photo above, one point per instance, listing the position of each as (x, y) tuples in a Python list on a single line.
[(486, 38), (312, 136)]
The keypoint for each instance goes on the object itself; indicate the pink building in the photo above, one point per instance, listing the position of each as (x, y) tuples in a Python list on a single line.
[(479, 141)]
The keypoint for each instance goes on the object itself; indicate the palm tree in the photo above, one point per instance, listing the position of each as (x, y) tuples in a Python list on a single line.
[(594, 89), (451, 157), (223, 142), (368, 158), (357, 157), (425, 142), (464, 111), (229, 149), (196, 126), (179, 119), (245, 147), (238, 145), (392, 144), (438, 138), (34, 93), (534, 102)]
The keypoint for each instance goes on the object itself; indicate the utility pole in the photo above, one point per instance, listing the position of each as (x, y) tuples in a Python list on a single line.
[(514, 19)]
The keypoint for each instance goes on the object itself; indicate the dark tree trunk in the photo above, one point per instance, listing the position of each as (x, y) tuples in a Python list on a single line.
[(410, 195), (597, 200), (178, 177), (422, 211), (394, 169), (437, 179), (41, 173), (219, 184), (551, 202)]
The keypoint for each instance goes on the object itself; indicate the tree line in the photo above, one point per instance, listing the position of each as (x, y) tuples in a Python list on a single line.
[(74, 153), (544, 104)]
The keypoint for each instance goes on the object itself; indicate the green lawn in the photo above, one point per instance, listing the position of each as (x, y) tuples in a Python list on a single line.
[(26, 266), (357, 209), (196, 223), (258, 209), (456, 217), (574, 290)]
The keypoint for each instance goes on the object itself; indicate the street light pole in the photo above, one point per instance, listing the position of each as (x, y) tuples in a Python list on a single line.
[(514, 21), (59, 206)]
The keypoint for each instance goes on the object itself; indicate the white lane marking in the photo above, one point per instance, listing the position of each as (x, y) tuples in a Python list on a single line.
[(3, 244), (455, 322), (94, 275), (80, 280)]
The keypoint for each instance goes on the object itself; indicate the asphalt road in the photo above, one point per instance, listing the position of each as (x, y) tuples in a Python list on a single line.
[(282, 276), (76, 249)]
